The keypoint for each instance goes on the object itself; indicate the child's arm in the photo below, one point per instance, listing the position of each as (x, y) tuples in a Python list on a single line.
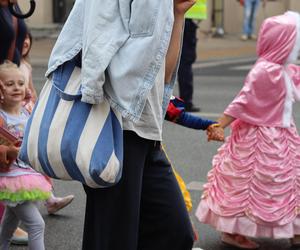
[(225, 120), (192, 121), (176, 113)]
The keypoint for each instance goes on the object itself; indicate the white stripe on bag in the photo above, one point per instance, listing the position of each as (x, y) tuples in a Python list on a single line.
[(56, 130), (56, 133), (88, 140), (110, 173), (33, 136)]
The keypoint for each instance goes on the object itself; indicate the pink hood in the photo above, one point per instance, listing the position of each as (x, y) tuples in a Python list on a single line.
[(271, 86)]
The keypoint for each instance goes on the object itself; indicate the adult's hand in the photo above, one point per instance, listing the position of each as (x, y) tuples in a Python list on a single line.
[(181, 6)]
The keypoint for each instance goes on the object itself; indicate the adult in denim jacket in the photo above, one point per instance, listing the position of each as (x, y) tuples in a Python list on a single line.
[(130, 51), (126, 39)]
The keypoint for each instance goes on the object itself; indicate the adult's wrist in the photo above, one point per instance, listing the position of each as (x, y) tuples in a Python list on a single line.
[(178, 16)]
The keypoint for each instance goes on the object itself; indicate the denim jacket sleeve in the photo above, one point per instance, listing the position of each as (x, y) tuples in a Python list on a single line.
[(105, 30)]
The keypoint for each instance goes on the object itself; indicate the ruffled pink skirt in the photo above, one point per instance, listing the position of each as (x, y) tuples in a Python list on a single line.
[(253, 188), (22, 188)]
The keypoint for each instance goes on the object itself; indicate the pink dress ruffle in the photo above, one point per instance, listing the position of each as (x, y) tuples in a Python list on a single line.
[(253, 188)]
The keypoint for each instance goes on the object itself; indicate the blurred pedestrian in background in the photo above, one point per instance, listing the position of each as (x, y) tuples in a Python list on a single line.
[(13, 32), (250, 11), (189, 54)]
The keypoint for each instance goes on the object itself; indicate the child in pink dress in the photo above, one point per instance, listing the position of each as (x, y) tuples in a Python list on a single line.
[(253, 188), (20, 185)]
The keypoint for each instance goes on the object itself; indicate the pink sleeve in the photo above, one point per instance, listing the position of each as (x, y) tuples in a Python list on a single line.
[(261, 99), (294, 70)]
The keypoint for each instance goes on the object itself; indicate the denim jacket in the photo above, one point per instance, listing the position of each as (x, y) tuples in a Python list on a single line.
[(123, 45)]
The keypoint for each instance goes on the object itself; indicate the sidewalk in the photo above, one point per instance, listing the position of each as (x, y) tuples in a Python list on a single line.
[(226, 48), (209, 48)]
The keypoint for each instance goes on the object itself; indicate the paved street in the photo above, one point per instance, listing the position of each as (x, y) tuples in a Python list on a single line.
[(216, 83)]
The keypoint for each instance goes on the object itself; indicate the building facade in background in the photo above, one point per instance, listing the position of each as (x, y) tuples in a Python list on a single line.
[(220, 13), (48, 12)]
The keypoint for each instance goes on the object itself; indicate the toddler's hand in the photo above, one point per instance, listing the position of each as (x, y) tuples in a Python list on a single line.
[(8, 154), (28, 95), (215, 133), (2, 89)]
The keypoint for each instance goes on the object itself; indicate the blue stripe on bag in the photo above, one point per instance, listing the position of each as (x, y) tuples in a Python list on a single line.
[(104, 151), (23, 152), (117, 131), (51, 106), (73, 131)]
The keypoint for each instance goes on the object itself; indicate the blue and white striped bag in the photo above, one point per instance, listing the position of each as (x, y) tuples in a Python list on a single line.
[(71, 140)]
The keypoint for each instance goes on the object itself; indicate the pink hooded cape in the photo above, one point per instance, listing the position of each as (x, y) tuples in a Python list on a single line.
[(273, 84)]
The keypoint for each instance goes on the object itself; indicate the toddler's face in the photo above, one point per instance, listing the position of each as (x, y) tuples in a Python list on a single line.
[(14, 87)]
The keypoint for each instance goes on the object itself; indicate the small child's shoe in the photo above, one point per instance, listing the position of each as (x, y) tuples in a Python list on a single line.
[(54, 204), (244, 37), (238, 241), (296, 240), (20, 237)]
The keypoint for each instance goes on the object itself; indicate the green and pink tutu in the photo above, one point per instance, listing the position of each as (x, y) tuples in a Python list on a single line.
[(27, 187)]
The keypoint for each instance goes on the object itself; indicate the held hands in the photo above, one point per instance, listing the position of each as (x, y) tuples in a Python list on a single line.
[(181, 6), (215, 132)]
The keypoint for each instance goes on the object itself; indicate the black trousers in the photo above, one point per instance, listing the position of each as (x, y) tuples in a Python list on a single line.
[(144, 211), (188, 57)]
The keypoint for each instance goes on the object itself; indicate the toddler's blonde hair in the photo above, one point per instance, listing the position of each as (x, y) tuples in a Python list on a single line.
[(7, 66)]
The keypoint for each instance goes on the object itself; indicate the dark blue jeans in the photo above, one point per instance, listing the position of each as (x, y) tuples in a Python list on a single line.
[(250, 11), (144, 211)]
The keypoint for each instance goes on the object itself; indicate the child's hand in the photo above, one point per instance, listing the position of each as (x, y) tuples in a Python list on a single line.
[(215, 133), (12, 153), (8, 154), (2, 90), (28, 95)]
